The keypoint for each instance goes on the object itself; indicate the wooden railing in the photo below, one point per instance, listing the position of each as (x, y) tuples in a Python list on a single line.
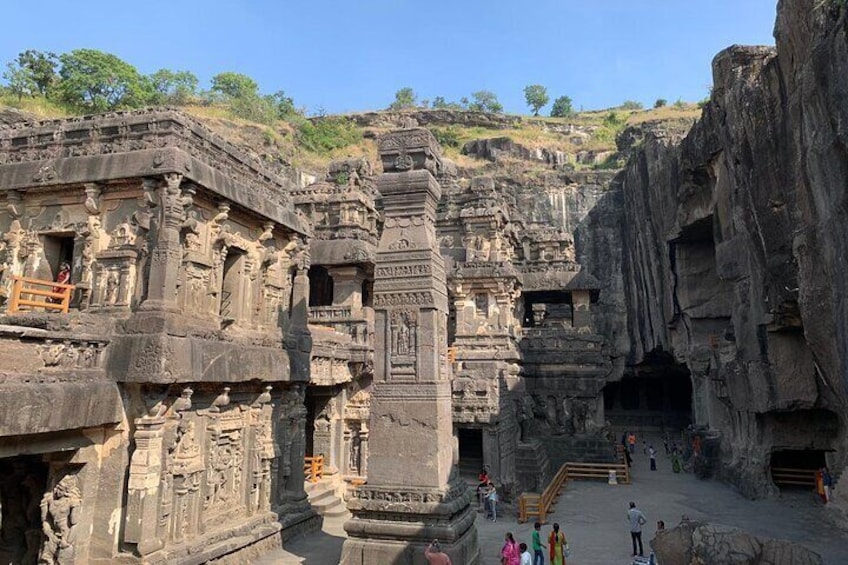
[(599, 471), (786, 476), (532, 504), (539, 505), (313, 468), (25, 289)]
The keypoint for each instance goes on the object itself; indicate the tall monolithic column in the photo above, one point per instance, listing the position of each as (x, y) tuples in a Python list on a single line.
[(413, 494)]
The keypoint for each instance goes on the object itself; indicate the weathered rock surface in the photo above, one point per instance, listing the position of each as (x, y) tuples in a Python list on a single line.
[(697, 543), (496, 148), (735, 243), (401, 118)]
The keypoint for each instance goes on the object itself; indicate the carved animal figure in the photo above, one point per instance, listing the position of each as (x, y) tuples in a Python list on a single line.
[(222, 399)]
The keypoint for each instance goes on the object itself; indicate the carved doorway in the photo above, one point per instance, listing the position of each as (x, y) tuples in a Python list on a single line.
[(23, 481), (231, 287), (58, 249), (470, 452)]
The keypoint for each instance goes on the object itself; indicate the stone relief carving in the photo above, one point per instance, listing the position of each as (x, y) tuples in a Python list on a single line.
[(60, 509)]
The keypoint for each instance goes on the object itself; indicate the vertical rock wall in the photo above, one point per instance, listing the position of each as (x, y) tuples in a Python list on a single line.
[(735, 241)]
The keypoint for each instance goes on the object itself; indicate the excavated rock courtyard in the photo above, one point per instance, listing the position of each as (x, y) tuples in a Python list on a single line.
[(593, 517)]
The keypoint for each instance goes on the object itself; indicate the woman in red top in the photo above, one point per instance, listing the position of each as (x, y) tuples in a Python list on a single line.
[(63, 277)]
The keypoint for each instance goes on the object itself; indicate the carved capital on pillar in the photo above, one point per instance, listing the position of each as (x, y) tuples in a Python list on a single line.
[(92, 198), (173, 181), (14, 204)]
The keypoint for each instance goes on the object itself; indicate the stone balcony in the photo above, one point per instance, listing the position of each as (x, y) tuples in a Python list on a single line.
[(359, 325)]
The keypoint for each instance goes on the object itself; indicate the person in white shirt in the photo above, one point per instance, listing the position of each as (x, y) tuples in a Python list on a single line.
[(637, 520), (526, 558)]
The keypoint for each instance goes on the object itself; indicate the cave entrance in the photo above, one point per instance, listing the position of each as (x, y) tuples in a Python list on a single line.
[(58, 249), (547, 307), (470, 452), (796, 468), (23, 481), (320, 286), (655, 398)]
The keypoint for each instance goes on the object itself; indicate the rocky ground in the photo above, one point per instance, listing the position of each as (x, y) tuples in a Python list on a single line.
[(593, 517)]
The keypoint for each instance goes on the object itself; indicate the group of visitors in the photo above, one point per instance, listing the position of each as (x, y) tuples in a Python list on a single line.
[(513, 553), (628, 443), (487, 495)]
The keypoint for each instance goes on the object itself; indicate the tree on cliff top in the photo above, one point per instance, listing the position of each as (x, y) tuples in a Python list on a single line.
[(234, 85), (404, 98), (562, 107), (485, 101), (101, 81), (174, 87), (32, 72), (536, 96)]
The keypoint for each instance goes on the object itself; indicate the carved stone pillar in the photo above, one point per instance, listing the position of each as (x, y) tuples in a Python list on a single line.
[(582, 316), (143, 496), (347, 286), (292, 446), (413, 494), (166, 255)]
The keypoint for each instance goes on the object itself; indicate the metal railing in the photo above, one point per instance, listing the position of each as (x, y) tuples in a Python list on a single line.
[(24, 289)]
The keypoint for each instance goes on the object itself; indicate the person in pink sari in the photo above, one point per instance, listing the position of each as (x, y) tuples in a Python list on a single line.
[(510, 553)]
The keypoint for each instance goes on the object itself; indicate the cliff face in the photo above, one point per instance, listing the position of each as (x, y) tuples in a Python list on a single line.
[(735, 246)]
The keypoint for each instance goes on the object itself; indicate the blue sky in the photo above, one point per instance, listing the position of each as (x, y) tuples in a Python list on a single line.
[(354, 55)]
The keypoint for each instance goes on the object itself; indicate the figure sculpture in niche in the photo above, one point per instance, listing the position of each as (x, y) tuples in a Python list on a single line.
[(403, 338), (355, 450), (59, 515)]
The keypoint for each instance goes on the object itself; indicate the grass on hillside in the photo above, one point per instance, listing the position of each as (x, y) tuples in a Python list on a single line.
[(310, 145), (39, 106)]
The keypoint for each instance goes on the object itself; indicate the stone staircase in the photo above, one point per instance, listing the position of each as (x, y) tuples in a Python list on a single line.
[(322, 497), (532, 466)]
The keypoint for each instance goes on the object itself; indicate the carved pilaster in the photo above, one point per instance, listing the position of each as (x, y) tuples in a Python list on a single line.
[(143, 488), (166, 255)]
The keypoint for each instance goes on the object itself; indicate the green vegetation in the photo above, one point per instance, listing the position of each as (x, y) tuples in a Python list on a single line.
[(485, 101), (660, 103), (448, 136), (174, 87), (323, 135), (404, 98), (631, 105), (536, 96), (86, 80), (562, 108), (95, 81)]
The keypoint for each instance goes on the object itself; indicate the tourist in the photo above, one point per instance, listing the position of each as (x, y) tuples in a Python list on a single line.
[(510, 553), (435, 555), (637, 520), (631, 442), (538, 546), (627, 458), (660, 525), (820, 485), (644, 447), (63, 277), (652, 454), (526, 559), (827, 480), (482, 485), (557, 545), (492, 502), (665, 443)]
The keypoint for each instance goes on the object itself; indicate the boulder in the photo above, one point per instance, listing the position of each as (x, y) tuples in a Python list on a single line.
[(699, 543)]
